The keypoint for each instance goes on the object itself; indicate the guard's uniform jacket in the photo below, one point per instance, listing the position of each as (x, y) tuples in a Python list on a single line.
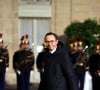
[(4, 62), (39, 61), (4, 58), (23, 60), (80, 63), (40, 66)]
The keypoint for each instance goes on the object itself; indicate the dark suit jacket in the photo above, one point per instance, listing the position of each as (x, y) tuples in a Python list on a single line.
[(58, 72)]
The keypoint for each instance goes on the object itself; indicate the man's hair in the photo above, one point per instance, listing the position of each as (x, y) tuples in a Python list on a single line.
[(51, 33)]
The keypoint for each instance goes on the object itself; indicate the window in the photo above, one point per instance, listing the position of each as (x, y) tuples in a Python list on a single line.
[(26, 28), (35, 28), (31, 1), (42, 0), (43, 26)]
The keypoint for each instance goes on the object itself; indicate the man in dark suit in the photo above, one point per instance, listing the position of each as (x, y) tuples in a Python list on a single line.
[(58, 72), (23, 61), (4, 63)]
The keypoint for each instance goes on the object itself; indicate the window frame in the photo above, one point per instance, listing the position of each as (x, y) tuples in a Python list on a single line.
[(34, 1)]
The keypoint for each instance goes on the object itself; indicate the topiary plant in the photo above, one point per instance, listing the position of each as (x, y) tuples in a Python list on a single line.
[(89, 30)]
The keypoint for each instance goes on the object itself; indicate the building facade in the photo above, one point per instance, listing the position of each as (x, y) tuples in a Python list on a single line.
[(37, 17)]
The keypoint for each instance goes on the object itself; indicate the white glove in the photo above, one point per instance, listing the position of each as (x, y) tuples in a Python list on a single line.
[(7, 69), (99, 74), (19, 72)]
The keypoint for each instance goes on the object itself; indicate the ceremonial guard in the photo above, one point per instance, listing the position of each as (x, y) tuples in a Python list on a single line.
[(40, 62), (40, 65), (79, 59), (94, 64), (23, 61), (4, 63)]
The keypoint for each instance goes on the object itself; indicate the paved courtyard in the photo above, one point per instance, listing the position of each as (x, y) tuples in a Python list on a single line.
[(13, 87)]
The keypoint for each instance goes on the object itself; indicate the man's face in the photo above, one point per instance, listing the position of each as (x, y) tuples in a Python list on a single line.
[(80, 48), (24, 46), (97, 51), (51, 42)]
